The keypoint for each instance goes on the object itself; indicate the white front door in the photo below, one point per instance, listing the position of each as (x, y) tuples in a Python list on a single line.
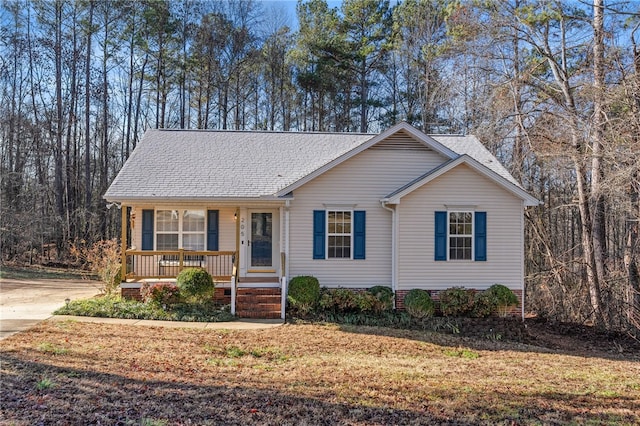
[(262, 243)]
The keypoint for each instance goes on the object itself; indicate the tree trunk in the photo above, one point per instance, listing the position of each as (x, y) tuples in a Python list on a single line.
[(597, 174), (59, 171), (87, 120)]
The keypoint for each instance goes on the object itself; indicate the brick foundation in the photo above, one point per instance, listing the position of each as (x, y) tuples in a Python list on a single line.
[(221, 295), (131, 293), (516, 311)]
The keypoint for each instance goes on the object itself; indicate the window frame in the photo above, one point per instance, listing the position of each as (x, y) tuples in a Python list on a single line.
[(471, 235), (328, 234), (180, 232)]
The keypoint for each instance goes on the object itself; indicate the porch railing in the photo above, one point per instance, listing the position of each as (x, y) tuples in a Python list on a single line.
[(169, 263)]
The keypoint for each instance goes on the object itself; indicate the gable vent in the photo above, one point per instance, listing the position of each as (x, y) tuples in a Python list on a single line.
[(400, 141)]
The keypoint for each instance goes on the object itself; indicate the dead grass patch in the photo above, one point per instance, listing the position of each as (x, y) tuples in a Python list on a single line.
[(79, 373)]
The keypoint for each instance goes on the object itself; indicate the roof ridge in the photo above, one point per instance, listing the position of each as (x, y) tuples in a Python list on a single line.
[(287, 132)]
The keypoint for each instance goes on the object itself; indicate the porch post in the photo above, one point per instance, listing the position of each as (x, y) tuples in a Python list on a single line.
[(234, 274), (123, 244)]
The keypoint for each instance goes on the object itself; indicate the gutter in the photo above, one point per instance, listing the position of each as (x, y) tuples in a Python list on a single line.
[(394, 244)]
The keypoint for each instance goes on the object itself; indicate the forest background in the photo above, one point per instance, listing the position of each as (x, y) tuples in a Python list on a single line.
[(552, 88)]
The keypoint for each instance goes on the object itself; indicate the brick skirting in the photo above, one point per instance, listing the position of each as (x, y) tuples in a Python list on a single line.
[(131, 293), (516, 311), (221, 295)]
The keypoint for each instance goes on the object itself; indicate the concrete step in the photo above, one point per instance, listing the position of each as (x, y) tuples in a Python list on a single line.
[(258, 307), (258, 290), (257, 299), (258, 314)]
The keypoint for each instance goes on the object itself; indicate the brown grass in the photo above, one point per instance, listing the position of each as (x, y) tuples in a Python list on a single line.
[(79, 373)]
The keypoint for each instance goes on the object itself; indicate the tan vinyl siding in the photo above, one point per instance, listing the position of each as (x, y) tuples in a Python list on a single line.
[(461, 186), (358, 184)]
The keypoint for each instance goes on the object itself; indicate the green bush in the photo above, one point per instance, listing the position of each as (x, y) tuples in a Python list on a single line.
[(502, 297), (115, 307), (162, 293), (484, 305), (195, 283), (419, 304), (345, 301), (456, 301), (304, 293), (384, 298)]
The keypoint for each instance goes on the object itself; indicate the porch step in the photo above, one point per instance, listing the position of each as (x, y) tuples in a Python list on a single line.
[(258, 303)]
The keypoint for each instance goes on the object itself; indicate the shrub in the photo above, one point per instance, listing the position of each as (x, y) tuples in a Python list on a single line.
[(115, 307), (161, 293), (304, 292), (456, 301), (103, 259), (503, 298), (419, 304), (384, 298), (484, 305), (345, 301), (195, 283)]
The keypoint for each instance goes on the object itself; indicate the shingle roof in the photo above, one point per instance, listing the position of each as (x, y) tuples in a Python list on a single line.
[(470, 145), (205, 164), (221, 164)]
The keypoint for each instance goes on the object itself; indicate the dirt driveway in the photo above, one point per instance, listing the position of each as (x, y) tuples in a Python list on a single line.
[(24, 303)]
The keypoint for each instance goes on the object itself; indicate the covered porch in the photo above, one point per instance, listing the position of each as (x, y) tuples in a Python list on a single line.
[(240, 247)]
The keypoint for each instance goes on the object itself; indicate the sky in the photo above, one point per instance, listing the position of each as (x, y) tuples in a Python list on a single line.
[(288, 8)]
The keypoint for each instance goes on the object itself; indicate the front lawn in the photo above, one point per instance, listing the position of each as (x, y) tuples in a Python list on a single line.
[(80, 373)]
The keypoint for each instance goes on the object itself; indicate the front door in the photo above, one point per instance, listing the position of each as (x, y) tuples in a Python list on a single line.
[(261, 242)]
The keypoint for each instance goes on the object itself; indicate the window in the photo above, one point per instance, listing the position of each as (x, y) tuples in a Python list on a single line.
[(167, 229), (339, 235), (177, 229), (193, 230), (460, 235)]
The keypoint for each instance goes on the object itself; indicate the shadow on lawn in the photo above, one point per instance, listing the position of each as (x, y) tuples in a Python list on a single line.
[(85, 397), (530, 336)]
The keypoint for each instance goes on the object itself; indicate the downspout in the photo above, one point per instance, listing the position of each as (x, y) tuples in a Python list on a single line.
[(284, 289), (286, 239), (522, 266), (394, 245)]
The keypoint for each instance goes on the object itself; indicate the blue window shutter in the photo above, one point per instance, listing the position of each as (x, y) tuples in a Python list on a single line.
[(480, 236), (359, 227), (441, 236), (318, 233), (212, 230), (147, 229)]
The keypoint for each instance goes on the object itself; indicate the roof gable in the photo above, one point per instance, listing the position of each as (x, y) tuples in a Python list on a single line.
[(516, 190), (396, 137)]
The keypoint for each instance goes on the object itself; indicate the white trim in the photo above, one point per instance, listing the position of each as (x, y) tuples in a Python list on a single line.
[(275, 243), (326, 236), (180, 231), (233, 295), (466, 159), (287, 227), (522, 262), (472, 235), (283, 296), (131, 285)]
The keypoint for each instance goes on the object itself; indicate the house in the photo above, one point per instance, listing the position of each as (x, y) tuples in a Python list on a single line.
[(402, 209)]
